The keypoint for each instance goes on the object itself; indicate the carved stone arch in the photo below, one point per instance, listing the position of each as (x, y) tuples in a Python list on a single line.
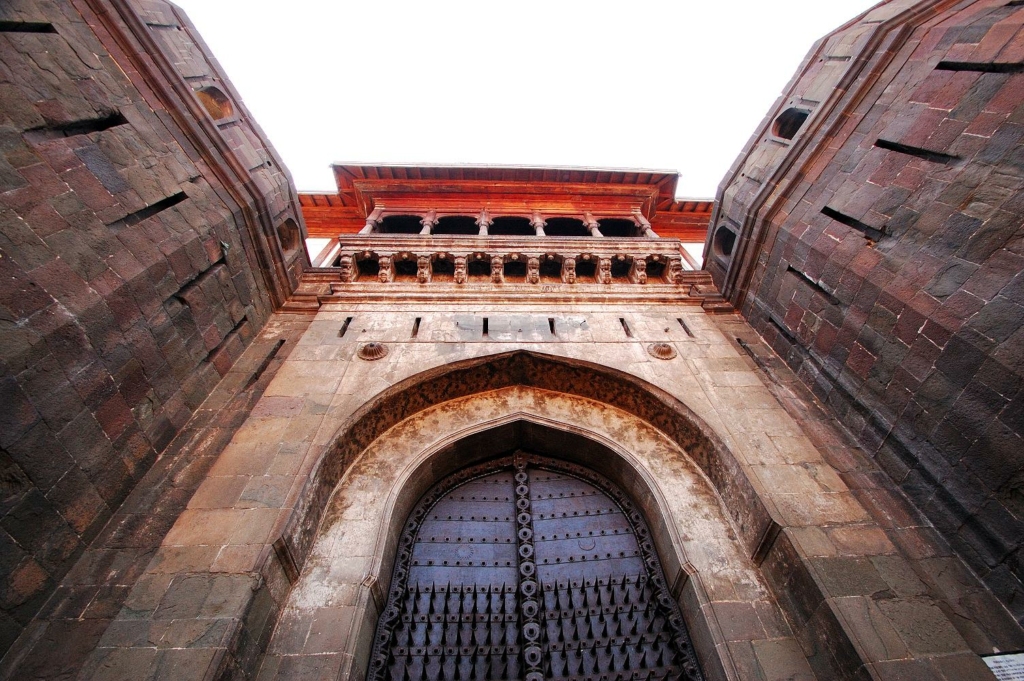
[(596, 382), (556, 439), (397, 468)]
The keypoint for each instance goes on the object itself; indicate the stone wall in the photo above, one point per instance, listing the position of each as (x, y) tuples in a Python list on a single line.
[(804, 561), (871, 233), (148, 232)]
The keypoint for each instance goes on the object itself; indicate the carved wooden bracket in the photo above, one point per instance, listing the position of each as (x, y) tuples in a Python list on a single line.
[(347, 265), (638, 270), (674, 273), (386, 274), (497, 269), (569, 270), (460, 269), (533, 270), (424, 272)]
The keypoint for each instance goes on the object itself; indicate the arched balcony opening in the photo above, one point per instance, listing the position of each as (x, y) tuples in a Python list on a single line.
[(566, 227), (619, 227), (400, 224), (511, 226), (456, 224)]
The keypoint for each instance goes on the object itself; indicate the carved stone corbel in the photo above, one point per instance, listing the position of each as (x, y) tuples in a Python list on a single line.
[(428, 222), (592, 224), (533, 270), (538, 223), (645, 225), (674, 271), (484, 221), (497, 269), (423, 270), (461, 269), (604, 271), (638, 270), (569, 270), (372, 220), (347, 265), (386, 274)]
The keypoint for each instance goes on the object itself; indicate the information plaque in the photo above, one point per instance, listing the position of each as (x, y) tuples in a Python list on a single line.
[(1008, 667)]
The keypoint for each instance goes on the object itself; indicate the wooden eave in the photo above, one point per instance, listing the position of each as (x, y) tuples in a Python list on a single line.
[(466, 190)]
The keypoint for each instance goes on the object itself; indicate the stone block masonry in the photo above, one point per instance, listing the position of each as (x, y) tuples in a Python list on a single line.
[(136, 267), (878, 249)]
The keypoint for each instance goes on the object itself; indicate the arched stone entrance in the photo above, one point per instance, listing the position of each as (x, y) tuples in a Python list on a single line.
[(529, 567), (334, 606)]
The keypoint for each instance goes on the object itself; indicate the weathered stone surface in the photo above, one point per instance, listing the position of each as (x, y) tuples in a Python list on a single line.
[(228, 484), (890, 274), (128, 286)]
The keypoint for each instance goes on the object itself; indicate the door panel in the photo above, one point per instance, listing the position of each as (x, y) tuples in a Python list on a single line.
[(529, 568)]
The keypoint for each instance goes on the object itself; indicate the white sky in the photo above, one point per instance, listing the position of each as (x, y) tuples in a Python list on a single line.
[(669, 85)]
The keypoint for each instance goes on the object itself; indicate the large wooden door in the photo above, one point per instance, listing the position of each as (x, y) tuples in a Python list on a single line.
[(529, 568)]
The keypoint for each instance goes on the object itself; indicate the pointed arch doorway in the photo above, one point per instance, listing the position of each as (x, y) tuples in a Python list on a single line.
[(529, 568)]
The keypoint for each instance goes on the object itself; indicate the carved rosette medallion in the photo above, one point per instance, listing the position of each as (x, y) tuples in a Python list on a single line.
[(661, 350), (372, 351)]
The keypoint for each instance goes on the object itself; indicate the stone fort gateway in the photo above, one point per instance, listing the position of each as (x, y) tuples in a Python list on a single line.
[(498, 422)]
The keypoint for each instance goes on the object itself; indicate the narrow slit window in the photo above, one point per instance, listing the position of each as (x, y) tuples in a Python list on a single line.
[(918, 152), (344, 327), (685, 327), (416, 327), (813, 284), (625, 327), (867, 230), (980, 67), (26, 27), (149, 211)]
